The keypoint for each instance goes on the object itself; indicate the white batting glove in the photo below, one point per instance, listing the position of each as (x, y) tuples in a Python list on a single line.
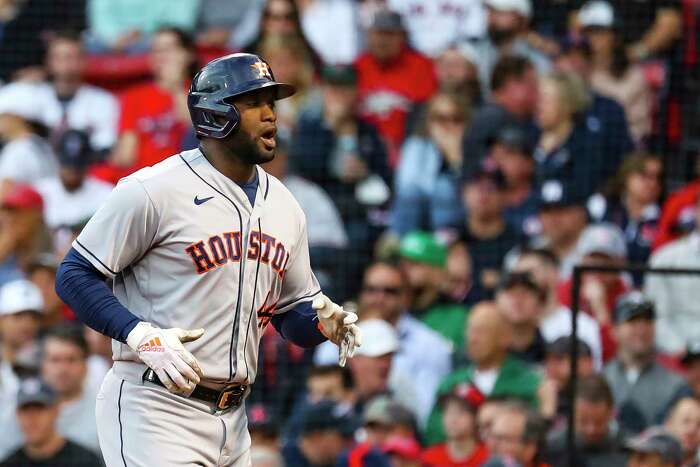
[(338, 326), (163, 352)]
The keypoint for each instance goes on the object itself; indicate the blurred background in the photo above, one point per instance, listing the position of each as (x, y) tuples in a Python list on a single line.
[(455, 159)]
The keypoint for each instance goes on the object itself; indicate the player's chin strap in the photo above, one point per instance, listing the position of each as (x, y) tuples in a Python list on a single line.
[(338, 325)]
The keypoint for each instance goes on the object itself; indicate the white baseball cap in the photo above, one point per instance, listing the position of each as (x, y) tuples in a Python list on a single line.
[(603, 238), (24, 100), (596, 13), (20, 295), (378, 338), (522, 7)]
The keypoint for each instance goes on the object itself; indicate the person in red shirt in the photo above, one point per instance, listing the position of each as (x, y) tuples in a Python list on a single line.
[(463, 447), (392, 78), (677, 215), (154, 117)]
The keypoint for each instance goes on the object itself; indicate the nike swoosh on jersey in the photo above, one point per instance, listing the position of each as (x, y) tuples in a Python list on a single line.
[(198, 201)]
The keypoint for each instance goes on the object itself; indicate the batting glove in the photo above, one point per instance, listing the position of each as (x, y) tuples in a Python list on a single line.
[(338, 326), (163, 352)]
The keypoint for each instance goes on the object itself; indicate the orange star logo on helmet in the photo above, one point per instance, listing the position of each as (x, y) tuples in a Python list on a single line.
[(262, 69)]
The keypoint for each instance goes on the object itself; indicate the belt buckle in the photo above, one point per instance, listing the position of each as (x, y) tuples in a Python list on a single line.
[(228, 395)]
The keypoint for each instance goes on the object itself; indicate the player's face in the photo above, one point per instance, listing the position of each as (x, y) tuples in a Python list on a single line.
[(254, 139)]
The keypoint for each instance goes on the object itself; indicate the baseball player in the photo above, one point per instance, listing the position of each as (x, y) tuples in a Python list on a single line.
[(204, 250)]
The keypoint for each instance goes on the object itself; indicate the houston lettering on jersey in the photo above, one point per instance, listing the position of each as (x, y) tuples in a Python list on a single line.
[(219, 250)]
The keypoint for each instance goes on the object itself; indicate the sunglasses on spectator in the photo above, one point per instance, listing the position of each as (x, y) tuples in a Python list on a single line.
[(444, 118), (385, 290)]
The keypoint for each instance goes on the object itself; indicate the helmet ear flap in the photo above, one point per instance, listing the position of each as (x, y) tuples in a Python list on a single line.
[(212, 118)]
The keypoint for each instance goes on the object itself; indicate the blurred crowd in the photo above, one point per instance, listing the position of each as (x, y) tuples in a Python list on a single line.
[(455, 159)]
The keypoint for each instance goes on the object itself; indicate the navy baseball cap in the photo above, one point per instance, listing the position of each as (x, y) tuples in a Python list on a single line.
[(692, 352), (515, 138), (558, 194), (523, 279), (632, 305), (33, 391), (327, 416), (657, 440), (73, 149), (564, 344)]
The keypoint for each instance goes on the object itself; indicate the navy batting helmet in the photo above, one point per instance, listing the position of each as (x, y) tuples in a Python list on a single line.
[(212, 113)]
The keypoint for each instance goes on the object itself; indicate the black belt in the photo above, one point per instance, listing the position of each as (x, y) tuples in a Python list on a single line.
[(228, 398)]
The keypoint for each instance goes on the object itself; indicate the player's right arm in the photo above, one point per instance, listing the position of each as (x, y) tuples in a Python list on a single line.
[(119, 234)]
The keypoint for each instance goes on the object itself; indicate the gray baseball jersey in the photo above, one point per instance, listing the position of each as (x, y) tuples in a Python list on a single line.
[(186, 249)]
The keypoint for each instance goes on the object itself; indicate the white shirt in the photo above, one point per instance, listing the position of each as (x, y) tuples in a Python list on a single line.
[(485, 380), (331, 27), (76, 420), (64, 208), (91, 109), (558, 324), (433, 25), (27, 160), (11, 437)]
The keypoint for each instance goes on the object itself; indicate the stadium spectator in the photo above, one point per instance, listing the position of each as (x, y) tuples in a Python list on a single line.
[(326, 439), (423, 259), (263, 427), (643, 389), (22, 231), (678, 212), (600, 245), (403, 452), (563, 217), (25, 157), (64, 369), (512, 153), (683, 422), (223, 24), (292, 61), (674, 297), (154, 116), (462, 447), (435, 26), (655, 447), (383, 418), (426, 185), (422, 352), (459, 284), (492, 371), (555, 323), (114, 28), (42, 272), (521, 301), (631, 203), (262, 456), (332, 29), (512, 102), (553, 393), (571, 148), (518, 432), (691, 365), (613, 75), (597, 441), (507, 31), (74, 195), (456, 72), (70, 103), (21, 309), (487, 412), (392, 79), (489, 236), (37, 412)]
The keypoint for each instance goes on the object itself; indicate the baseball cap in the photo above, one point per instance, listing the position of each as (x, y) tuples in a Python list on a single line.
[(20, 295), (516, 139), (522, 7), (486, 171), (556, 194), (33, 391), (387, 20), (73, 149), (603, 238), (327, 416), (596, 14), (21, 196), (632, 305), (260, 419), (524, 279), (23, 100), (659, 441), (378, 338), (383, 410), (692, 352), (500, 461), (339, 74), (564, 344), (403, 446), (423, 247), (466, 393)]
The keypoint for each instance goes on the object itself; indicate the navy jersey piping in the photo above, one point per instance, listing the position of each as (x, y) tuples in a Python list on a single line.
[(234, 331), (252, 305)]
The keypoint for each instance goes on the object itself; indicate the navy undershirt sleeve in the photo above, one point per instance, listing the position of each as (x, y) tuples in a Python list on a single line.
[(299, 325), (82, 287)]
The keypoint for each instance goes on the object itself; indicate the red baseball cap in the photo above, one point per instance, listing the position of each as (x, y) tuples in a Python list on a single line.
[(23, 197), (405, 447)]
